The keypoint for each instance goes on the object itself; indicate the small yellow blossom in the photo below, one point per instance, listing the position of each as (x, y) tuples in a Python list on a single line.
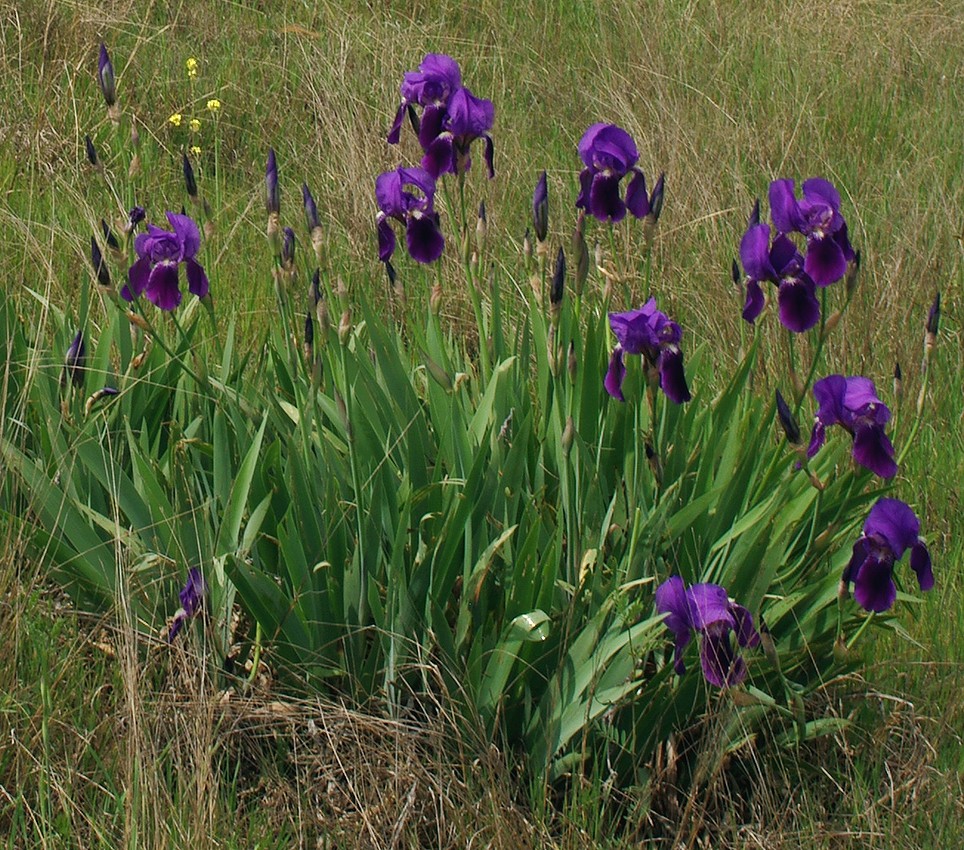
[(192, 68), (214, 104), (175, 119), (195, 125), (195, 150)]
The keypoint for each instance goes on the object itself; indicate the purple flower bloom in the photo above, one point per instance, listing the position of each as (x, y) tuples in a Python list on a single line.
[(781, 264), (160, 253), (105, 76), (415, 209), (540, 208), (890, 530), (431, 86), (609, 154), (817, 216), (707, 610), (853, 403), (447, 134), (650, 333), (192, 598)]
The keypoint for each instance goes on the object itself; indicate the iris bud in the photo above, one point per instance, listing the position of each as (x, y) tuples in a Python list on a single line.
[(272, 195), (557, 287), (91, 152), (540, 208), (788, 421), (190, 184), (105, 76), (97, 261), (74, 362)]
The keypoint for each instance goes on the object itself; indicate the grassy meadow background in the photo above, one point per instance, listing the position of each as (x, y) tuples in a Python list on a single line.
[(723, 97)]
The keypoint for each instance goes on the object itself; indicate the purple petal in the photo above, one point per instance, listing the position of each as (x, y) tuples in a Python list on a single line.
[(817, 438), (137, 277), (746, 633), (395, 131), (431, 126), (197, 280), (818, 189), (753, 305), (672, 379), (721, 666), (874, 587), (162, 289), (585, 186), (440, 156), (388, 193), (469, 116), (708, 604), (825, 261), (784, 257), (755, 253), (784, 209), (615, 375), (424, 239), (187, 233), (586, 143), (920, 563), (860, 554), (489, 155), (604, 201), (386, 240), (896, 523), (671, 600), (799, 308), (637, 201), (874, 451)]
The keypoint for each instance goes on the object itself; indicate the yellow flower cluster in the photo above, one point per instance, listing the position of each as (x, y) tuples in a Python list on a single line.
[(214, 105), (175, 120), (195, 125), (195, 150), (192, 68)]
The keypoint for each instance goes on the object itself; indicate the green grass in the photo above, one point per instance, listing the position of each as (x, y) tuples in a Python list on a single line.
[(723, 97)]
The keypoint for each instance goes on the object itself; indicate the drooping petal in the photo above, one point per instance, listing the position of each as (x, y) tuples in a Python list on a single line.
[(424, 239), (671, 599), (784, 209), (874, 451), (137, 276), (755, 253), (874, 587), (799, 308), (431, 125), (753, 305), (920, 563), (637, 201), (825, 261), (386, 240), (615, 375), (860, 554), (197, 280), (721, 665), (604, 201), (440, 156), (817, 438), (162, 288), (388, 194), (395, 131), (489, 155), (672, 379), (746, 633)]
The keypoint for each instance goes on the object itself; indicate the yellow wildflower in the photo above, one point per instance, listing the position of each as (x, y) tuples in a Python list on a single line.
[(175, 119), (195, 125), (214, 104), (195, 150), (192, 68)]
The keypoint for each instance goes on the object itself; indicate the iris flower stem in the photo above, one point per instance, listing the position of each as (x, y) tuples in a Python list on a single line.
[(152, 330), (863, 627), (918, 416), (256, 656)]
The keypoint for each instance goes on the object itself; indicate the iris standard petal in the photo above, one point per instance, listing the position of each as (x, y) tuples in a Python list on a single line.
[(615, 375), (197, 280), (825, 261), (671, 600), (784, 209), (920, 563), (874, 451), (431, 125), (137, 276), (187, 233), (896, 522), (424, 239), (672, 378), (388, 194), (755, 253), (799, 308), (819, 189), (874, 587), (637, 201), (708, 604), (162, 288), (586, 143), (604, 201)]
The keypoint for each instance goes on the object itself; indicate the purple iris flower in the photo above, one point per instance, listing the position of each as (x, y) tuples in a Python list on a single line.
[(890, 530), (105, 76), (781, 264), (609, 154), (408, 196), (817, 216), (853, 403), (650, 333), (431, 86), (192, 598), (160, 252), (707, 610), (446, 135)]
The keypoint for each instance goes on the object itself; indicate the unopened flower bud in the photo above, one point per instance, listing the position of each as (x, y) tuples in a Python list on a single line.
[(274, 233), (580, 251), (832, 321), (435, 299), (75, 361), (568, 435), (481, 229), (850, 277), (655, 464), (787, 421), (105, 76), (439, 375), (309, 344), (735, 274), (311, 209), (104, 392), (97, 261), (656, 200), (272, 194), (315, 292), (288, 249), (934, 316), (190, 184), (109, 237), (91, 152), (572, 365), (841, 654), (754, 218), (540, 208), (344, 327), (898, 381), (324, 320), (557, 287)]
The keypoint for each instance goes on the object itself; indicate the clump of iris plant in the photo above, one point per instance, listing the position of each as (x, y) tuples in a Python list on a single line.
[(853, 404), (653, 335), (452, 117), (706, 609), (797, 275), (192, 599), (890, 530), (160, 254), (408, 196), (609, 154)]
